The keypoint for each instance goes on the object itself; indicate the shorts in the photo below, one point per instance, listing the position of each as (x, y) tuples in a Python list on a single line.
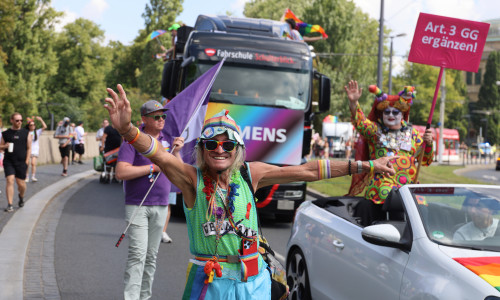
[(34, 154), (80, 148), (64, 151), (172, 198), (17, 168)]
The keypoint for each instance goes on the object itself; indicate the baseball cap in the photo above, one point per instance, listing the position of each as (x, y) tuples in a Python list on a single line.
[(151, 106), (66, 119), (174, 26)]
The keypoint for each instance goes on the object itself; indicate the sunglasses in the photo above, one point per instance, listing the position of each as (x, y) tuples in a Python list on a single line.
[(158, 117), (394, 112), (212, 145), (18, 120)]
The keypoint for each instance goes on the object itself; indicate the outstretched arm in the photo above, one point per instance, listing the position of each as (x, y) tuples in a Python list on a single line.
[(180, 174), (265, 174)]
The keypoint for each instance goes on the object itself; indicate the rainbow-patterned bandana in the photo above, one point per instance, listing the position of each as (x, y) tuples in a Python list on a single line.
[(219, 124)]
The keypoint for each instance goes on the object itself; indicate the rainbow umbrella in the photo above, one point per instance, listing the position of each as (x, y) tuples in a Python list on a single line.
[(330, 119)]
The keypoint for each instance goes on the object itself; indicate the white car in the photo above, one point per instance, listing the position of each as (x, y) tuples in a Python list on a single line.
[(428, 248)]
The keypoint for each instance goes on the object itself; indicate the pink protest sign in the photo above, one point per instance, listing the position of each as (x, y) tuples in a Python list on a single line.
[(448, 42)]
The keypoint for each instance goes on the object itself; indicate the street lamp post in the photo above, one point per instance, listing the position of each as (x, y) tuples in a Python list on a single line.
[(390, 60)]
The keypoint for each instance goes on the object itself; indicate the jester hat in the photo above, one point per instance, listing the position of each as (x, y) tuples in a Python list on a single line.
[(402, 102), (222, 123)]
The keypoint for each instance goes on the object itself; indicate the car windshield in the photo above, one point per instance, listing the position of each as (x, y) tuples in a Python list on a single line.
[(257, 85), (464, 217)]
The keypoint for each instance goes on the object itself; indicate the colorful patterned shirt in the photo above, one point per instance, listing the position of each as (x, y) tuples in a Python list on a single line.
[(405, 142)]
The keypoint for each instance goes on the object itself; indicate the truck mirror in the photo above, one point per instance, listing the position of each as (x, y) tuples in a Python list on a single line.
[(324, 94), (187, 61)]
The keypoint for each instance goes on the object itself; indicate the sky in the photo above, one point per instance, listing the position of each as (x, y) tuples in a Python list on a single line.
[(121, 19)]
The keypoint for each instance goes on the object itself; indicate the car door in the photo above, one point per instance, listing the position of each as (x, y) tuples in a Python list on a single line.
[(355, 268)]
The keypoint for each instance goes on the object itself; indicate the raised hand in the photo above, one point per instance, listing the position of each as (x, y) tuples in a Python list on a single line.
[(119, 109), (353, 92)]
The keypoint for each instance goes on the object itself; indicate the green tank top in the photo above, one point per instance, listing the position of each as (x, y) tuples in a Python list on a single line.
[(202, 232)]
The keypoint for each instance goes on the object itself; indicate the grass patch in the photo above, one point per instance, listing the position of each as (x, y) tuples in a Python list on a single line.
[(432, 174)]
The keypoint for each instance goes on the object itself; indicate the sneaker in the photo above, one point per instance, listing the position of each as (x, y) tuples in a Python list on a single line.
[(21, 201), (165, 238), (9, 208), (80, 162), (64, 174), (34, 179), (27, 179)]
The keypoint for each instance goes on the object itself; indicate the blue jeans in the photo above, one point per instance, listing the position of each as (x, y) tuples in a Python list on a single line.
[(144, 240)]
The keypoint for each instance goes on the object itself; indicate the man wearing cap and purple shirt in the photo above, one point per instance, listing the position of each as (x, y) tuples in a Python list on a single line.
[(145, 231)]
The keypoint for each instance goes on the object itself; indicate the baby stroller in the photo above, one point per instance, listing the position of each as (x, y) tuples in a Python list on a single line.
[(108, 166)]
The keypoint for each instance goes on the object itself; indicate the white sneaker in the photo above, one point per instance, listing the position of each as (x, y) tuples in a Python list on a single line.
[(34, 179), (165, 238), (27, 179)]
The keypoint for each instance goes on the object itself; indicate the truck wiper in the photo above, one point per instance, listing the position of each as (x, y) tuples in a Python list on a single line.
[(219, 100)]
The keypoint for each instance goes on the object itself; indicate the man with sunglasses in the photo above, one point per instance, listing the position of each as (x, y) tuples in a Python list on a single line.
[(17, 145), (385, 132), (138, 173), (220, 210)]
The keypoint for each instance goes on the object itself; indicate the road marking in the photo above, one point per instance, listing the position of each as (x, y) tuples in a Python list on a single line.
[(490, 177)]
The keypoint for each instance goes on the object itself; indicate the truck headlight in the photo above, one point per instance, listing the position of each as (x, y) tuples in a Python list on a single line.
[(293, 194)]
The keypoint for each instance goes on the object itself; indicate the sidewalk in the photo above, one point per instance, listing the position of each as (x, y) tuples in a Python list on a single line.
[(16, 227)]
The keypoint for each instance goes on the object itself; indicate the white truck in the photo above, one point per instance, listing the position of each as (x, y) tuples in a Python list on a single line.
[(337, 133)]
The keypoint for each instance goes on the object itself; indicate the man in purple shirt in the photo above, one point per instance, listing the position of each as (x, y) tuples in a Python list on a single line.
[(145, 230)]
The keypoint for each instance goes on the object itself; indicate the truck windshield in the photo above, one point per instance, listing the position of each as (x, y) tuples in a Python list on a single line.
[(257, 85)]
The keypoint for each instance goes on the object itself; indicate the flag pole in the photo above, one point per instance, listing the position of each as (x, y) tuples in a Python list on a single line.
[(122, 236), (429, 121)]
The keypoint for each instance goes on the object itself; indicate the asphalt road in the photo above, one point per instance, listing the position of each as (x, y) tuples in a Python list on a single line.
[(485, 173)]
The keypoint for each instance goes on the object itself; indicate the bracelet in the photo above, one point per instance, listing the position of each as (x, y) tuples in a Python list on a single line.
[(131, 126), (324, 169), (371, 166), (360, 167), (136, 137), (150, 176), (153, 148), (349, 168)]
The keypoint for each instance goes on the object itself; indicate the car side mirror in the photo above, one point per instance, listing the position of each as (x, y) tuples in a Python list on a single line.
[(386, 235)]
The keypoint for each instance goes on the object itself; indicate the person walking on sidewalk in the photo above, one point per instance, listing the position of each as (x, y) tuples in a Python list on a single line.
[(145, 231), (17, 146), (63, 133), (80, 141), (35, 135)]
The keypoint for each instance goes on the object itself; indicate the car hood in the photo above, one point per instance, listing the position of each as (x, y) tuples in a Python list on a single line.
[(455, 252)]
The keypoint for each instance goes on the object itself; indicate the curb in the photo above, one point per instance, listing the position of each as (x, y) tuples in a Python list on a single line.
[(16, 235)]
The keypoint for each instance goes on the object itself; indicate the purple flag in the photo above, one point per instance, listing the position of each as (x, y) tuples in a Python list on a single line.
[(186, 112)]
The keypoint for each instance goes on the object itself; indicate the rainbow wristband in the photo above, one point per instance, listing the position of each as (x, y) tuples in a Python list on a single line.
[(136, 137), (153, 148), (324, 169), (371, 166)]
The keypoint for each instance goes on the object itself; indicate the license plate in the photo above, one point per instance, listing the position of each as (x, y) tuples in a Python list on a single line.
[(286, 204)]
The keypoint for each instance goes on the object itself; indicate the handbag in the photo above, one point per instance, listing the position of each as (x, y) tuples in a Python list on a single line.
[(99, 163), (279, 286)]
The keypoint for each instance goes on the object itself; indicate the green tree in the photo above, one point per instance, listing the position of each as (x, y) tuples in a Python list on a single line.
[(84, 64), (489, 100), (27, 56), (158, 14)]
